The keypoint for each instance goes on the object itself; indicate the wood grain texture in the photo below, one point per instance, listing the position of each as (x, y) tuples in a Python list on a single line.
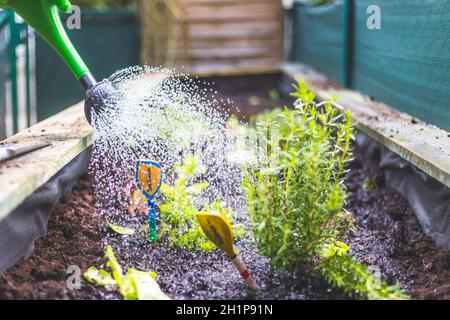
[(425, 146), (221, 69), (69, 134), (233, 34)]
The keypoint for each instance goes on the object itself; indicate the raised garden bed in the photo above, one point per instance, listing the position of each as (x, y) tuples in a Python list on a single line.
[(387, 237)]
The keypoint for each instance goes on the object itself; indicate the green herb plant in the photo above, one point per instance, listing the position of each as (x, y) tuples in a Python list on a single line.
[(296, 198), (177, 213)]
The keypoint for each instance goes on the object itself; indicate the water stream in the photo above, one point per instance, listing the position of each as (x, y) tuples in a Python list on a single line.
[(162, 116)]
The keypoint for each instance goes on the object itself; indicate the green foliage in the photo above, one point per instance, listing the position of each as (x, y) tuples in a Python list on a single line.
[(134, 285), (369, 184), (103, 3), (342, 271), (178, 218), (296, 197), (296, 202)]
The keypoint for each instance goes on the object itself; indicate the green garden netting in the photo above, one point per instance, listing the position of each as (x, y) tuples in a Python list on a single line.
[(405, 64)]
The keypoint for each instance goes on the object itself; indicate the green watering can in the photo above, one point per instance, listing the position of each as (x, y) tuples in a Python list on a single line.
[(43, 17)]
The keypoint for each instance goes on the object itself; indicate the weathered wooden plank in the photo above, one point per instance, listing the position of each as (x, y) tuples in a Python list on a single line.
[(234, 30), (227, 53), (69, 134), (267, 62), (208, 6), (237, 67), (213, 31), (425, 146), (240, 17), (271, 43)]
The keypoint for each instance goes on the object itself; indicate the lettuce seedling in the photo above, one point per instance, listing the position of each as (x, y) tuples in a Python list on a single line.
[(178, 212)]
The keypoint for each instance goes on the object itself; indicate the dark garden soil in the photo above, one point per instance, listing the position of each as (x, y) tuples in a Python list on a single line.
[(387, 237)]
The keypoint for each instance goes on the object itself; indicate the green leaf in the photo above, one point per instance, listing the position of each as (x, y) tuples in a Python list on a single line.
[(296, 207), (99, 277), (134, 285), (121, 230)]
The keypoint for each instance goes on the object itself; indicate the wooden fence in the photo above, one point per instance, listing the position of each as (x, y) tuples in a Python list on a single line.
[(213, 36)]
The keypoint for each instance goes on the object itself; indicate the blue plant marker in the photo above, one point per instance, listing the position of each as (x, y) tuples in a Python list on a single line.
[(149, 179)]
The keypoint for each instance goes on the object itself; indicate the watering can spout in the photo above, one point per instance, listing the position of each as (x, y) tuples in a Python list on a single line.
[(43, 16)]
